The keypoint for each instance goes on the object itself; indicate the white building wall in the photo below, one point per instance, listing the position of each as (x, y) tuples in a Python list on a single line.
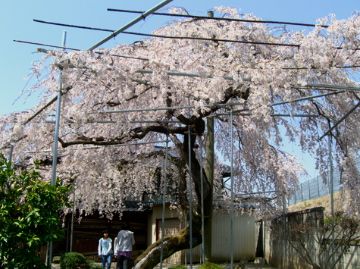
[(244, 237)]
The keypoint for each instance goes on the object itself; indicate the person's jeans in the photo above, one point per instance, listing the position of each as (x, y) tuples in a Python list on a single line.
[(123, 263), (106, 261)]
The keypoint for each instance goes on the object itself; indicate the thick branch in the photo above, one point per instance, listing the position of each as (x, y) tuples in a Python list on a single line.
[(229, 93), (135, 133), (170, 244)]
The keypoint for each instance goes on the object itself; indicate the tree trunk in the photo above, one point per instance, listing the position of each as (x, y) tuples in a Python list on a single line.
[(180, 241)]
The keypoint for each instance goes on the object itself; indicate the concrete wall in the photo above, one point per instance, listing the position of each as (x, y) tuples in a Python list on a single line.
[(352, 259), (280, 254)]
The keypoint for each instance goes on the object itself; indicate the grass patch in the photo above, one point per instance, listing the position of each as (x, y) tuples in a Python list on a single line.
[(209, 265)]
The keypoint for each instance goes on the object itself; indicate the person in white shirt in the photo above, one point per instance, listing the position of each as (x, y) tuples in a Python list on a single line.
[(105, 250), (123, 246)]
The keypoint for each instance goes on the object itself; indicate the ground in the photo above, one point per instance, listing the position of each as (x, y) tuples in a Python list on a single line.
[(236, 266)]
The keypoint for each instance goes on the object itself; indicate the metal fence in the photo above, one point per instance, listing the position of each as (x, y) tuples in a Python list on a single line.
[(315, 188)]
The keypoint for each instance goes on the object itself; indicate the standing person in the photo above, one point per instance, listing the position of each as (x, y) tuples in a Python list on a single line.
[(105, 250), (123, 245)]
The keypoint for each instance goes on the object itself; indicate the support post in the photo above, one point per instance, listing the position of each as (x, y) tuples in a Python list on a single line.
[(57, 124), (11, 150), (128, 25), (331, 176), (164, 191), (209, 170), (232, 212), (72, 220), (190, 201), (55, 146), (202, 257)]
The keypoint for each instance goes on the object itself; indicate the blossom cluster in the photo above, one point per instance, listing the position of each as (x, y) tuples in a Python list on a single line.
[(197, 78)]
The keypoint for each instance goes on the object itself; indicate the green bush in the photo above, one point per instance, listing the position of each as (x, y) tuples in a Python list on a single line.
[(74, 260), (209, 265), (29, 215)]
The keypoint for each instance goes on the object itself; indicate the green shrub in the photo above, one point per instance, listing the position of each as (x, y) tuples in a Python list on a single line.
[(94, 265), (74, 260), (209, 265), (29, 215)]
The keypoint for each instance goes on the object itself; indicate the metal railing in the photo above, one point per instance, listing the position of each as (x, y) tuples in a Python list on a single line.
[(315, 188)]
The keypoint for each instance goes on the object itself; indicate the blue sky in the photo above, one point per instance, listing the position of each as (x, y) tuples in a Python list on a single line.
[(16, 22)]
